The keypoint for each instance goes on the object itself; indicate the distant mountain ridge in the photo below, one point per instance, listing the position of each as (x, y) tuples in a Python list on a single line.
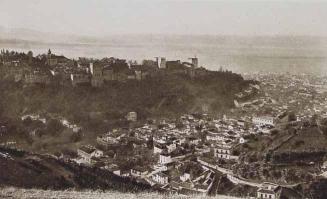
[(307, 54), (29, 35), (53, 37)]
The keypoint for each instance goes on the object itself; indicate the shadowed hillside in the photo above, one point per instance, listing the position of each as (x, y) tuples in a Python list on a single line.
[(164, 95)]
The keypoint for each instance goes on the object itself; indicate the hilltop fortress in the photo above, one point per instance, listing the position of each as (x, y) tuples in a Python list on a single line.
[(42, 69)]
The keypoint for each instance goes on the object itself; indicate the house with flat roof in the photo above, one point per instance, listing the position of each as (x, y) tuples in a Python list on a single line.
[(139, 171), (88, 152), (224, 151), (268, 191), (263, 120), (161, 178), (273, 191)]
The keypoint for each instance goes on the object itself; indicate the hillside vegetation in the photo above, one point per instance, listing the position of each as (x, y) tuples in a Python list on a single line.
[(27, 170), (163, 94)]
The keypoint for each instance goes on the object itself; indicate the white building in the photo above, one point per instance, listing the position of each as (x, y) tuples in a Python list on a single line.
[(195, 62), (185, 177), (193, 140), (223, 151), (160, 178), (215, 136), (165, 158), (131, 116), (105, 140), (241, 123), (139, 172), (264, 120), (158, 148), (268, 191), (88, 152), (324, 166)]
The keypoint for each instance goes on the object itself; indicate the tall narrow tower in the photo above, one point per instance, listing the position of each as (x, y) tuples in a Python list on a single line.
[(157, 61), (91, 68), (195, 61), (30, 57), (163, 62)]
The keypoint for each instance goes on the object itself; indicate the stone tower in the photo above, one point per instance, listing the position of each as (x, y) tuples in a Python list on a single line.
[(163, 62)]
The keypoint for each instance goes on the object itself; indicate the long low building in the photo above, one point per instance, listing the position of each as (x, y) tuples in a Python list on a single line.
[(263, 120)]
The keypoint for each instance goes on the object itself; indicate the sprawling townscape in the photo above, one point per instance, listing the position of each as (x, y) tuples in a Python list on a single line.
[(195, 152), (163, 99)]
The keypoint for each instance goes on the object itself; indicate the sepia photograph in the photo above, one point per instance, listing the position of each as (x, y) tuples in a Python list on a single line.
[(163, 99)]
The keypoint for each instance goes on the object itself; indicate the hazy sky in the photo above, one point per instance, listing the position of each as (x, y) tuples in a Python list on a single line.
[(101, 17)]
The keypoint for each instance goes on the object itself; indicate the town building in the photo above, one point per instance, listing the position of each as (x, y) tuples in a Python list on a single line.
[(186, 176), (53, 60), (139, 171), (264, 120), (107, 140), (268, 191), (161, 178), (143, 71), (97, 78), (131, 116), (108, 73), (324, 166), (171, 147), (165, 158), (215, 136), (158, 148), (88, 152), (195, 62), (80, 78), (163, 63), (36, 78), (222, 151), (192, 140), (150, 63), (3, 130)]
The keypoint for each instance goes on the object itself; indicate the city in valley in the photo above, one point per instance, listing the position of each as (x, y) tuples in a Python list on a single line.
[(170, 126)]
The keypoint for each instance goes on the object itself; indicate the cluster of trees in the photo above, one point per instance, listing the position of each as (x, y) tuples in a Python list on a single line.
[(304, 156), (317, 189), (13, 55), (25, 58), (52, 127)]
